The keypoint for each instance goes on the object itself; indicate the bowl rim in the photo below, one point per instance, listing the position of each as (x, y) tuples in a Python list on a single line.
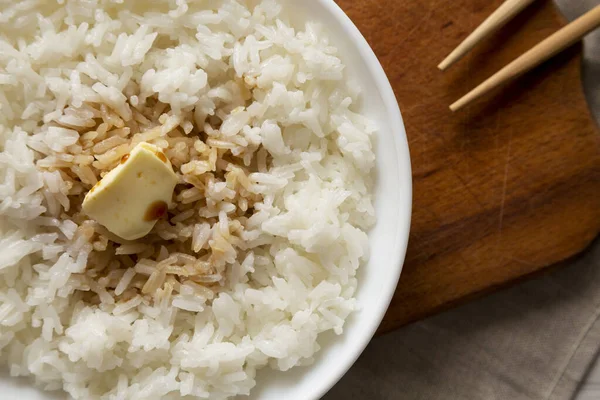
[(404, 171)]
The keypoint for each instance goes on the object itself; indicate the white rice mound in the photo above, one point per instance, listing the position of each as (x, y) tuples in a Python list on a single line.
[(259, 252)]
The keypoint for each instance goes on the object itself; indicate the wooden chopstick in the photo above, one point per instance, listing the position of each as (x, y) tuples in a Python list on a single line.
[(499, 18), (549, 47)]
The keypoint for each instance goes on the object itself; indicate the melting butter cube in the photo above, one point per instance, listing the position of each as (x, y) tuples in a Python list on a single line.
[(134, 195)]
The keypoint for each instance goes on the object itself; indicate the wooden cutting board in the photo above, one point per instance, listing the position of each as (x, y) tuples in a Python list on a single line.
[(508, 186)]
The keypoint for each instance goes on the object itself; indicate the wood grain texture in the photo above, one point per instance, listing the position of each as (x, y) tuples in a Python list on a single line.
[(506, 187)]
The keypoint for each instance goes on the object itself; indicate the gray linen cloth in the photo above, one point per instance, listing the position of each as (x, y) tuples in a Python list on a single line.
[(533, 341)]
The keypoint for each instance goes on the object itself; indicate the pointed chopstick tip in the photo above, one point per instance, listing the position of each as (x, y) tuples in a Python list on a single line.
[(443, 65)]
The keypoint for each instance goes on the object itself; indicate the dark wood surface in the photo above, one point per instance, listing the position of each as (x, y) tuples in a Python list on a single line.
[(506, 187)]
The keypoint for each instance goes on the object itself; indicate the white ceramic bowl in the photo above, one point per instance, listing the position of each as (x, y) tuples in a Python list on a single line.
[(377, 280)]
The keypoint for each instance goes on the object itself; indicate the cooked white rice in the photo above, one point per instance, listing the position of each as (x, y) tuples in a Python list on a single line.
[(259, 252)]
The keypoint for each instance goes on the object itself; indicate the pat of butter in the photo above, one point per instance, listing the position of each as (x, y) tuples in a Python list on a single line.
[(134, 195)]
